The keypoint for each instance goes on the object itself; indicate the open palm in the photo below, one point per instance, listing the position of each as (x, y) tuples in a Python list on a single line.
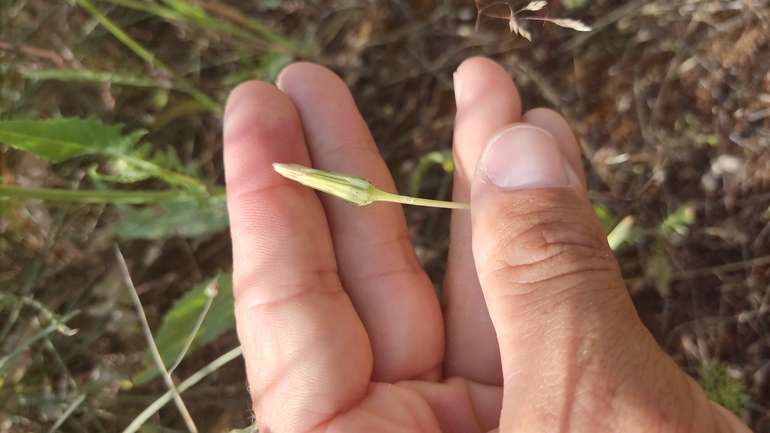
[(341, 328)]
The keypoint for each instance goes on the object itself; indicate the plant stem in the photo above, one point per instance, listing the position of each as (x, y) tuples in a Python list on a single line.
[(415, 201), (151, 343), (93, 196), (137, 423)]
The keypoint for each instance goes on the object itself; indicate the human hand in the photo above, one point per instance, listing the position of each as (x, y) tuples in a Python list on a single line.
[(340, 327)]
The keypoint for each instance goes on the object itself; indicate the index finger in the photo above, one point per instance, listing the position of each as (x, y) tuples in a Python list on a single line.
[(307, 354)]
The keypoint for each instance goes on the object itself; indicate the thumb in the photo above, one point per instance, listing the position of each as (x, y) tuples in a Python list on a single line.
[(573, 349)]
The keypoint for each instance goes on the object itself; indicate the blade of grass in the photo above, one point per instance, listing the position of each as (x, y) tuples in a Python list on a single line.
[(39, 335), (267, 42), (140, 51), (151, 342), (137, 423), (50, 315), (211, 292), (66, 414), (234, 16), (93, 76), (93, 196)]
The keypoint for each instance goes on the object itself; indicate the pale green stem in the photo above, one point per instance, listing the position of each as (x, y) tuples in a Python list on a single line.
[(66, 414), (405, 199), (137, 423), (151, 343), (50, 315), (53, 327)]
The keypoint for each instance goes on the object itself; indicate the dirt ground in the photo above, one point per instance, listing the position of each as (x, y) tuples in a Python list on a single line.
[(670, 101)]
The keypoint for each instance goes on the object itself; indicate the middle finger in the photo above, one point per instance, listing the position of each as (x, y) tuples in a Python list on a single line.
[(376, 261)]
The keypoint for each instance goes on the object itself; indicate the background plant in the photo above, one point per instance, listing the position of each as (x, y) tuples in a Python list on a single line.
[(669, 99)]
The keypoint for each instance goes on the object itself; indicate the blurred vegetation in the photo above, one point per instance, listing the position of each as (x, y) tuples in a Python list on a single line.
[(723, 389), (670, 102)]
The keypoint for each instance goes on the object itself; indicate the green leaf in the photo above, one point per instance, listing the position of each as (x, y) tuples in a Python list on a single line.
[(180, 321), (184, 218), (61, 139)]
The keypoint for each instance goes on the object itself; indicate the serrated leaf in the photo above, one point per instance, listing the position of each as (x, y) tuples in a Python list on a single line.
[(62, 139), (535, 6), (570, 24), (184, 218), (180, 321)]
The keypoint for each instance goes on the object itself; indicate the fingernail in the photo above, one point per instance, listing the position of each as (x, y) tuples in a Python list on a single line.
[(458, 82), (524, 157)]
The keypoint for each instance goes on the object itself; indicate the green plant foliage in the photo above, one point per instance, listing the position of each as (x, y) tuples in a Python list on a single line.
[(94, 76), (722, 389), (189, 10), (658, 267), (605, 216), (62, 139), (440, 157), (678, 222), (622, 233), (573, 4), (180, 321), (184, 218)]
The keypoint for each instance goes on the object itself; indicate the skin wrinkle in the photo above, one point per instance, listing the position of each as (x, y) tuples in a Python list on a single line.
[(523, 281), (537, 237), (314, 284), (540, 235), (269, 188), (465, 390), (410, 401), (384, 275)]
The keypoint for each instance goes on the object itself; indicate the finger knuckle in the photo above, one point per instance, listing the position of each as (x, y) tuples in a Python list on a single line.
[(556, 247)]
